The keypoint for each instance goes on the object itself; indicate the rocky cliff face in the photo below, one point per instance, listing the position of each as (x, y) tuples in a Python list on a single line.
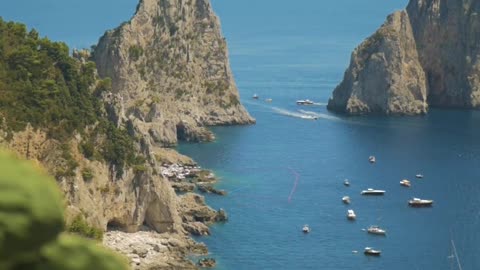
[(170, 65), (424, 55)]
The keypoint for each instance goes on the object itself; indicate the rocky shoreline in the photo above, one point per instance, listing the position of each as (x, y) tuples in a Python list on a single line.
[(148, 249)]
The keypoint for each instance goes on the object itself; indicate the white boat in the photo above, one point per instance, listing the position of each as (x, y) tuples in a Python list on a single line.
[(372, 191), (405, 183), (351, 214), (372, 159), (268, 100), (372, 252), (346, 182), (306, 228), (304, 102), (255, 96), (346, 200), (419, 176), (416, 202), (376, 230)]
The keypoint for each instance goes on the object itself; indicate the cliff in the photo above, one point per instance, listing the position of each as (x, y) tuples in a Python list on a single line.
[(170, 65), (425, 55)]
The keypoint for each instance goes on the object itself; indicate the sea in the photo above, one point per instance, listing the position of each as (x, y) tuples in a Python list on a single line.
[(288, 170)]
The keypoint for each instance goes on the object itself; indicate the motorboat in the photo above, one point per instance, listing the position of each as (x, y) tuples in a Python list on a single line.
[(346, 182), (346, 200), (351, 214), (405, 183), (372, 159), (372, 252), (268, 100), (306, 228), (419, 176), (376, 230), (372, 191), (416, 202), (255, 96), (305, 102)]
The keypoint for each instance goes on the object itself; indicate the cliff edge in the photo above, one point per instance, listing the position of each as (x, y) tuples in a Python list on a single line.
[(170, 64), (425, 55)]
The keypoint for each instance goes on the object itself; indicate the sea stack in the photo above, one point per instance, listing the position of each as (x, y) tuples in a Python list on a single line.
[(423, 56), (170, 65)]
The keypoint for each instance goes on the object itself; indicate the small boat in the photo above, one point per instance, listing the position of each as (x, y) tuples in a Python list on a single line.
[(419, 176), (255, 96), (346, 182), (416, 202), (405, 183), (268, 100), (351, 214), (372, 191), (372, 159), (376, 230), (306, 228), (372, 252), (346, 200), (304, 102)]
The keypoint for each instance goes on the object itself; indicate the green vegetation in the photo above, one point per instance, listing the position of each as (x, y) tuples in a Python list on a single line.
[(135, 52), (31, 225), (87, 174), (80, 226), (41, 84)]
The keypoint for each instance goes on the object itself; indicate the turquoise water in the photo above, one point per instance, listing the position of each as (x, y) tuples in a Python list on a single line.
[(287, 57), (287, 50)]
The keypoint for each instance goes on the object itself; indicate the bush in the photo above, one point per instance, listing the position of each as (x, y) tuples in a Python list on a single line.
[(135, 52), (87, 174), (80, 226)]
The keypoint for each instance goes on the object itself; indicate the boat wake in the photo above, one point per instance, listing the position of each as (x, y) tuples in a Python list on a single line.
[(294, 114)]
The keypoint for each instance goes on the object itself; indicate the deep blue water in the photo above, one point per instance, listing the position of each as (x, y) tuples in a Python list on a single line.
[(287, 50)]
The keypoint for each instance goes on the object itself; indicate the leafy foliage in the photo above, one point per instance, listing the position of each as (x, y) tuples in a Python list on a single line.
[(80, 226)]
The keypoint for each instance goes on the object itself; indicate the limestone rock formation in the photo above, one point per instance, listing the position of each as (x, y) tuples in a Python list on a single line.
[(426, 55), (170, 64)]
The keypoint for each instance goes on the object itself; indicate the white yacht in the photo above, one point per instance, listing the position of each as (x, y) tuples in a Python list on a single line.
[(405, 183), (372, 191), (346, 182), (351, 214), (346, 200), (306, 228), (372, 252), (376, 230), (372, 159), (304, 102), (416, 202), (419, 176), (255, 96)]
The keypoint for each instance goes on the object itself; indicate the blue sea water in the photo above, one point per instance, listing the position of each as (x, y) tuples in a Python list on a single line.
[(289, 50)]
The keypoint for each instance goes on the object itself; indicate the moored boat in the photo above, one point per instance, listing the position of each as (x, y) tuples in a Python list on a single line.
[(372, 159), (372, 191), (376, 230), (346, 182), (304, 102), (405, 183), (255, 96), (268, 100), (306, 228), (416, 202), (419, 176), (351, 214), (346, 200), (372, 252)]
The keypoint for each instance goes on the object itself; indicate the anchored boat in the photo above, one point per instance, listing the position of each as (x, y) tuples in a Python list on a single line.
[(346, 182), (405, 183), (372, 191), (372, 252), (306, 228), (372, 159), (304, 102), (346, 200), (416, 202), (255, 96), (376, 230), (351, 214)]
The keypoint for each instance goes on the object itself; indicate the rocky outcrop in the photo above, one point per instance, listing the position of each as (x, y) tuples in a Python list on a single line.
[(170, 64), (426, 55)]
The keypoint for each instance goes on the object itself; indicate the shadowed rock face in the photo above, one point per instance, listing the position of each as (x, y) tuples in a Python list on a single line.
[(170, 65), (426, 54)]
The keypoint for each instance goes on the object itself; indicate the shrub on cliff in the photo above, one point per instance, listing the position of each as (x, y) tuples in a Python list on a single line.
[(31, 224)]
